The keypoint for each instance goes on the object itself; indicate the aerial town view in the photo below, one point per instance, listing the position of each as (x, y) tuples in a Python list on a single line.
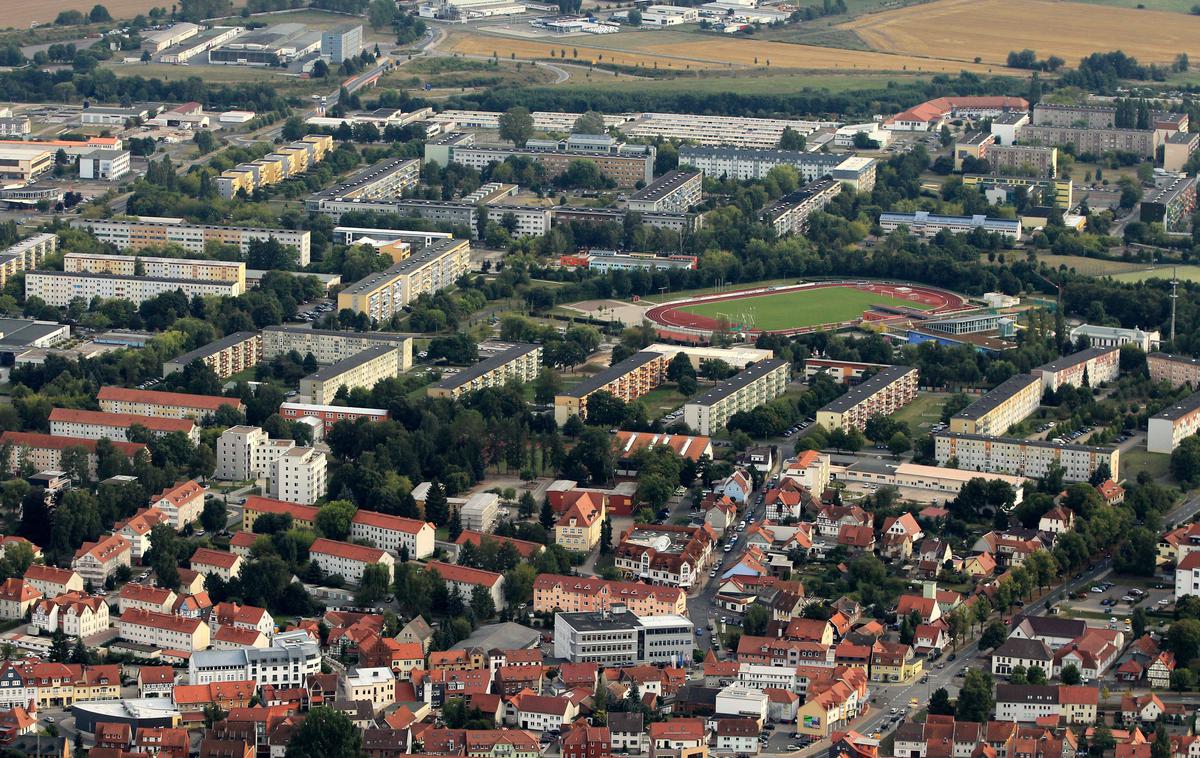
[(599, 378)]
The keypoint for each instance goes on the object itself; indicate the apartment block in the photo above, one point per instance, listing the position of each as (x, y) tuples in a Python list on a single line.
[(227, 356), (925, 224), (886, 392), (1170, 426), (1006, 189), (627, 168), (1143, 142), (286, 162), (59, 288), (575, 594), (144, 231), (1176, 370), (73, 613), (383, 294), (1172, 205), (1022, 160), (182, 504), (393, 533), (757, 385), (289, 662), (790, 213), (330, 415), (362, 370), (1089, 116), (157, 268), (520, 362), (347, 560), (331, 346), (303, 516), (628, 380), (96, 561), (162, 404), (163, 630), (299, 476), (95, 425), (43, 452), (996, 412), (1178, 149), (1022, 457), (464, 580), (245, 453), (673, 192), (26, 255), (381, 180), (1090, 367), (741, 164), (683, 223)]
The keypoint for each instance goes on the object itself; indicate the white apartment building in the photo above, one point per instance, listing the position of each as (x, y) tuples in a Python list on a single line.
[(375, 685), (759, 676), (95, 425), (182, 503), (1095, 365), (1187, 575), (719, 132), (1022, 457), (330, 346), (136, 234), (736, 700), (158, 268), (1026, 702), (363, 370), (245, 453), (1170, 426), (757, 385), (288, 662), (926, 224), (347, 560), (163, 630), (1011, 402), (52, 581), (218, 562), (299, 476), (96, 561), (146, 597), (394, 533), (479, 511), (673, 192), (17, 598), (26, 255), (75, 614), (59, 288), (464, 580)]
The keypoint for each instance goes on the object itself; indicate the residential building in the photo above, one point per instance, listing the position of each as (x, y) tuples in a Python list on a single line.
[(578, 528), (17, 597), (577, 594), (1178, 149), (384, 179), (1054, 631), (1187, 575), (757, 385), (287, 161), (226, 356), (1089, 367), (59, 288), (1172, 205), (1026, 702), (290, 660), (26, 255), (1058, 193), (363, 370), (520, 362), (665, 554), (96, 425), (245, 453), (146, 597), (225, 565), (96, 561), (182, 504), (162, 630), (383, 294), (1170, 426), (886, 392), (627, 380), (299, 475), (996, 412), (44, 452), (924, 224), (541, 713), (303, 516), (582, 740), (479, 511), (464, 580), (738, 735), (673, 192), (136, 529), (1021, 652), (742, 164), (330, 415), (1176, 370), (626, 165), (72, 613), (1023, 160), (1112, 336), (374, 685), (162, 404), (1095, 141), (393, 533), (790, 213), (894, 662), (617, 637), (1022, 457), (330, 346), (347, 560), (341, 43), (52, 581)]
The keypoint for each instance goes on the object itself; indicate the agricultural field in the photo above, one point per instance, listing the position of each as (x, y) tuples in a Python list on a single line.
[(789, 310), (21, 14), (690, 52), (990, 29), (454, 74)]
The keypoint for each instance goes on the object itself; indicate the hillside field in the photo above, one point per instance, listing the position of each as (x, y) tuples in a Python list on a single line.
[(19, 14)]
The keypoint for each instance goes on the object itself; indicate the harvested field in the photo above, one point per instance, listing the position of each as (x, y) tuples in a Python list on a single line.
[(21, 13), (703, 52), (990, 29)]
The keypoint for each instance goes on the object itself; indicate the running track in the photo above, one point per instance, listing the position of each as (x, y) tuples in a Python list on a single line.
[(670, 315)]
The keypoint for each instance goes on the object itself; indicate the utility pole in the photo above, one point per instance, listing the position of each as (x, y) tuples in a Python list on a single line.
[(1059, 318), (1174, 299)]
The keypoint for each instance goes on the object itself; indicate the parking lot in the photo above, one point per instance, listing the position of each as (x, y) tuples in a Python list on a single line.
[(1111, 605)]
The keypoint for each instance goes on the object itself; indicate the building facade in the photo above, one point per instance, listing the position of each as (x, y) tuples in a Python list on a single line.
[(1170, 426), (363, 370), (1011, 402), (1176, 370), (59, 288), (628, 380), (520, 362), (886, 392), (142, 232), (1022, 457), (757, 385), (227, 356), (384, 294)]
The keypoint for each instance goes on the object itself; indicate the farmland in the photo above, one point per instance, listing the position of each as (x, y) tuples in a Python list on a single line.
[(20, 14), (990, 29)]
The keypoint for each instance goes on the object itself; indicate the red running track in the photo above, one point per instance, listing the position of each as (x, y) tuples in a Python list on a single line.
[(670, 316)]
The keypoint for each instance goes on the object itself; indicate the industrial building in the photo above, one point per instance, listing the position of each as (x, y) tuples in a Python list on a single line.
[(1022, 457), (742, 164), (226, 356), (1170, 426), (1087, 368), (104, 165), (519, 362), (331, 346), (673, 192), (883, 394), (603, 261), (195, 269), (757, 384), (1011, 402), (363, 370), (1176, 370), (24, 164), (627, 380), (925, 224), (140, 232), (1172, 205), (383, 294), (790, 213), (274, 45), (59, 288)]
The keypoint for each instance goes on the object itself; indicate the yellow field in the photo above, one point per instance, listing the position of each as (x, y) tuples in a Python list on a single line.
[(964, 29), (21, 13), (705, 53)]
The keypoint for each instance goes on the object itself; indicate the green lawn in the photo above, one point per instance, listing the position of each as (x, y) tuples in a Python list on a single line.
[(1185, 273), (923, 412), (788, 310), (661, 400), (1158, 464)]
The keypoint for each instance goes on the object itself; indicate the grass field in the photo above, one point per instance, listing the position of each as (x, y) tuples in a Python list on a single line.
[(764, 84), (713, 290), (789, 310), (680, 51), (990, 29), (923, 412), (1184, 273), (1171, 6), (1157, 464)]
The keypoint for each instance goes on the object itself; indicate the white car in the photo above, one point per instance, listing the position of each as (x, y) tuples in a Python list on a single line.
[(1165, 601)]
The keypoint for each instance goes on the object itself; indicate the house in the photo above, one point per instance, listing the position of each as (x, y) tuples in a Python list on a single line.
[(979, 566), (418, 631), (853, 745), (857, 538), (627, 732), (787, 501), (17, 597), (738, 736), (782, 705), (720, 512), (15, 723), (1159, 672), (927, 608), (1092, 653), (811, 630), (209, 562), (156, 681), (1017, 651), (899, 534), (738, 486), (376, 686), (96, 561), (134, 595), (73, 613), (182, 503), (930, 638), (231, 638), (578, 528), (511, 680), (162, 630), (1057, 520), (1055, 631), (1143, 709), (1026, 702), (831, 519), (832, 704), (1078, 704), (582, 740), (1111, 492), (464, 580), (540, 713), (761, 458), (894, 662), (938, 736), (1187, 575), (677, 735), (244, 617), (137, 528), (162, 742), (400, 657)]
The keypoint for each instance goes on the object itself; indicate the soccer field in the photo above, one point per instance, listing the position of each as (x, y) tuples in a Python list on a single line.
[(791, 310)]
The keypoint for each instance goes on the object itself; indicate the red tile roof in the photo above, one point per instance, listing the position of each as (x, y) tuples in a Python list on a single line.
[(181, 493), (144, 593), (464, 574), (524, 547), (207, 557), (693, 448), (360, 553), (141, 617), (121, 420), (105, 549), (51, 574), (179, 399), (390, 523), (55, 442), (18, 591)]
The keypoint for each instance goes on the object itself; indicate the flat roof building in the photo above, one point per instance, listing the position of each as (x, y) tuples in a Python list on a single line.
[(143, 231), (363, 370), (925, 224), (742, 164), (195, 269), (790, 213), (619, 638), (59, 288), (1090, 367), (673, 192), (26, 255), (226, 356), (1170, 426), (1172, 206), (384, 179), (519, 362), (628, 380), (1022, 457), (331, 345), (1011, 402), (886, 392), (757, 385), (1176, 370), (383, 294)]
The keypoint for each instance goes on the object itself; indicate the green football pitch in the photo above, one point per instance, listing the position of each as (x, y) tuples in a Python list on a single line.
[(792, 310)]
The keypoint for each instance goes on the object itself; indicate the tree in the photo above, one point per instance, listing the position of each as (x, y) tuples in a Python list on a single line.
[(546, 518), (975, 699), (993, 635), (1184, 639), (381, 13), (1185, 461), (293, 128), (526, 505), (791, 139), (754, 623), (205, 141), (333, 519), (634, 17), (99, 15), (1018, 675), (1138, 622), (482, 603), (1035, 675), (324, 733), (899, 444), (215, 515), (1183, 680), (60, 647), (547, 384), (589, 122), (1161, 747), (939, 703), (606, 546), (516, 126), (437, 509), (1070, 675), (454, 525), (374, 585)]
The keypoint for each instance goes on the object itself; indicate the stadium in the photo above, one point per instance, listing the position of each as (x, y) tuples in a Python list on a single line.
[(800, 308)]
